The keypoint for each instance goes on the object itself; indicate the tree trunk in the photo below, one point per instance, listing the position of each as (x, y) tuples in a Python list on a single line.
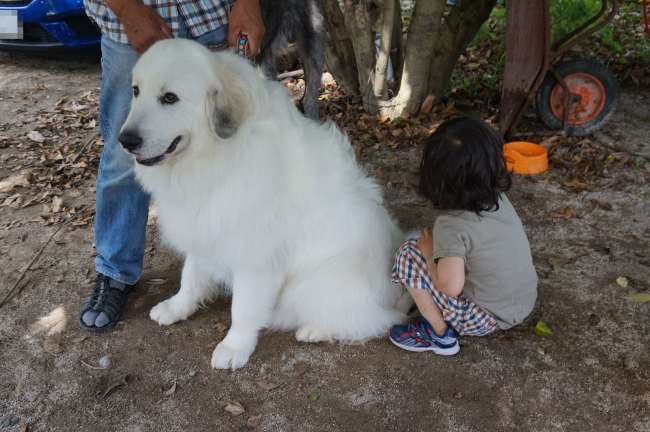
[(360, 16), (432, 47), (420, 42), (397, 50), (386, 34), (457, 31), (339, 52)]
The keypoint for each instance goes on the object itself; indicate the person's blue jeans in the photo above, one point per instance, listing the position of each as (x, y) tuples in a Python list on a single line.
[(122, 206)]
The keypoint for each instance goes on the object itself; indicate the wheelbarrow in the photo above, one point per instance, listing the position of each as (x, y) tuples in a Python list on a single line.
[(576, 96)]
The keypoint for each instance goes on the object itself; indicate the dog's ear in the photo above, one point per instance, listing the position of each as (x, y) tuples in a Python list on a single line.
[(222, 122), (228, 107)]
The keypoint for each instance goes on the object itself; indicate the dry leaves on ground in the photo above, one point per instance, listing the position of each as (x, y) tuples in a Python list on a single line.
[(56, 157), (234, 408)]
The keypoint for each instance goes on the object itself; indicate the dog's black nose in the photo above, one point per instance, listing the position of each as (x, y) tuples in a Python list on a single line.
[(130, 140)]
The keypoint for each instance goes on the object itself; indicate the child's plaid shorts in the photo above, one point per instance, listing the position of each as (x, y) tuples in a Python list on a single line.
[(467, 318)]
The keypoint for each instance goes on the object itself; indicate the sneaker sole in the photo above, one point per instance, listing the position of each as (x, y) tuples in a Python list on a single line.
[(448, 351)]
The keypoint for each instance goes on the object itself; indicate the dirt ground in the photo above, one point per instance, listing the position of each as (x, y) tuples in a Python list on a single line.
[(592, 374)]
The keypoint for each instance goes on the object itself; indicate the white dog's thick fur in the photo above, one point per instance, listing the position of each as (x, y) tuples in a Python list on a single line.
[(257, 196)]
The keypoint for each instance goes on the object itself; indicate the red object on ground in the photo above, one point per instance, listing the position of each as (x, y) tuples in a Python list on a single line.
[(525, 157), (590, 103)]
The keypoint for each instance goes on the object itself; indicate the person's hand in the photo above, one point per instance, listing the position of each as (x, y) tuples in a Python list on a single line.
[(143, 26), (425, 243), (246, 17)]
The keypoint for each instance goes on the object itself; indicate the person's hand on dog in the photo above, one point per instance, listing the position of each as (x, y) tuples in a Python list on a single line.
[(143, 26), (246, 17)]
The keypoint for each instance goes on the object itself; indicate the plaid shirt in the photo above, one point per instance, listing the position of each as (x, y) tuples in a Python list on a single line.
[(467, 318), (199, 16)]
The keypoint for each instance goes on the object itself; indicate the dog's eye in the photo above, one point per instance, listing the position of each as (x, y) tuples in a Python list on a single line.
[(169, 98), (136, 91)]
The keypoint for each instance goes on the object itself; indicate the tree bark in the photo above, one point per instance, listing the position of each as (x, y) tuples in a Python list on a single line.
[(360, 16), (453, 36), (421, 38), (381, 66), (339, 53), (397, 50)]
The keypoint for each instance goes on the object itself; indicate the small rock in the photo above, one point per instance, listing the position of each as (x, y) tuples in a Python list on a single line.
[(105, 362)]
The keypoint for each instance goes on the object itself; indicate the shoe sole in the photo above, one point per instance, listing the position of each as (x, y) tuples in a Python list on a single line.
[(447, 351)]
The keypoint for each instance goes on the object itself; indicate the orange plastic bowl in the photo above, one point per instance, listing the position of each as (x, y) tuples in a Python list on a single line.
[(525, 157)]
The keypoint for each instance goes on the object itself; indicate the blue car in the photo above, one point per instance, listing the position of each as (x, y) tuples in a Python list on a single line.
[(47, 25)]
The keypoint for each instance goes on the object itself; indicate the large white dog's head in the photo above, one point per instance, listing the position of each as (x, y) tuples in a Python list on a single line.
[(184, 97)]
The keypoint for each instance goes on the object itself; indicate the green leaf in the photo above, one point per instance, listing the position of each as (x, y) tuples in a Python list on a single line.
[(542, 329), (313, 396), (638, 297)]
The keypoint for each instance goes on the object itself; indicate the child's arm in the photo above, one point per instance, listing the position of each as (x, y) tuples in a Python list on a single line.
[(448, 274)]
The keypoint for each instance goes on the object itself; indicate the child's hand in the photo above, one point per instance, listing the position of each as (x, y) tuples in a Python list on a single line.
[(425, 243)]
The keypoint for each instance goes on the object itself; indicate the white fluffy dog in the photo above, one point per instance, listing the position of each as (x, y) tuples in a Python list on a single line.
[(256, 196)]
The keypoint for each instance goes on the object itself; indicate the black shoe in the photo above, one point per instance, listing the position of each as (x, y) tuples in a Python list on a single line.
[(102, 310)]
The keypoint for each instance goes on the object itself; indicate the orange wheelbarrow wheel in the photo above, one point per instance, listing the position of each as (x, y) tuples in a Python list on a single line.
[(594, 96)]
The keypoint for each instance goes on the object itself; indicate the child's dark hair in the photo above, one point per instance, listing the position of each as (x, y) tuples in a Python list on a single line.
[(463, 167)]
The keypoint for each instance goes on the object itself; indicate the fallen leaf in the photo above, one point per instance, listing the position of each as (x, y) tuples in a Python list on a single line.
[(122, 381), (57, 204), (171, 390), (20, 179), (312, 396), (622, 281), (80, 339), (156, 281), (266, 385), (602, 205), (253, 421), (220, 326), (575, 185), (565, 213), (36, 136), (300, 367), (638, 297), (234, 408), (543, 330), (427, 105), (14, 201)]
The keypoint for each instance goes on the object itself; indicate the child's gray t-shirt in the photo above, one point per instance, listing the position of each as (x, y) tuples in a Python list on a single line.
[(499, 272)]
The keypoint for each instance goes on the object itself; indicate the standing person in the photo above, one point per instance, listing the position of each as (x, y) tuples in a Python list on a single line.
[(473, 272), (128, 28)]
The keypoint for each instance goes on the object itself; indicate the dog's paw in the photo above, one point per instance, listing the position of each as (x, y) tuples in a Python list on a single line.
[(309, 333), (164, 313), (231, 356)]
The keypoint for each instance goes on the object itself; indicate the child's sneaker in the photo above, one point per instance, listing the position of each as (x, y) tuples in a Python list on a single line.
[(418, 336)]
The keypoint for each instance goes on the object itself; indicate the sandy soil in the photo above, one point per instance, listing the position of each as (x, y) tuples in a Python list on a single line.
[(592, 374)]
